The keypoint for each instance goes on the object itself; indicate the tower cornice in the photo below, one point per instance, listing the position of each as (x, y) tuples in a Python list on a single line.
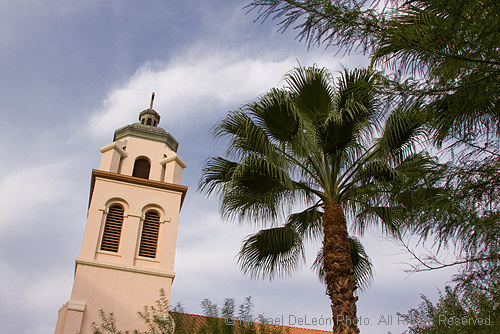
[(147, 132), (137, 181)]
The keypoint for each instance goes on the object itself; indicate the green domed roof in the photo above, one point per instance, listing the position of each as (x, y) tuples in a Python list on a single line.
[(151, 132), (150, 112)]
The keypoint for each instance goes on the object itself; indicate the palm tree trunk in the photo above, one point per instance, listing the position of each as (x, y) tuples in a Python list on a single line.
[(339, 276)]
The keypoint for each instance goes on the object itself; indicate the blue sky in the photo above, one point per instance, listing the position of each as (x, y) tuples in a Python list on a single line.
[(74, 71)]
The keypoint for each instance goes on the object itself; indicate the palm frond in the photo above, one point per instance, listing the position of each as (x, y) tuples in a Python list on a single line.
[(276, 113), (361, 263), (312, 90), (355, 112), (388, 217), (215, 174), (258, 189), (307, 223), (270, 253), (375, 171), (334, 136), (359, 83), (403, 131), (245, 137)]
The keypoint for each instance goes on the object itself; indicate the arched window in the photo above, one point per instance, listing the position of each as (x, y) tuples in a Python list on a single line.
[(149, 236), (112, 229), (141, 168), (149, 121)]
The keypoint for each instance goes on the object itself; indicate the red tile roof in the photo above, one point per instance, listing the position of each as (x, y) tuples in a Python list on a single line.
[(190, 324)]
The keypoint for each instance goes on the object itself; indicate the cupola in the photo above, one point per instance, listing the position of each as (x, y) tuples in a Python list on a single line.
[(149, 116)]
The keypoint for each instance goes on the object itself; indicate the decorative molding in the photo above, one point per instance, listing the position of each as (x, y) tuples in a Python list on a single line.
[(147, 132), (114, 145), (100, 251), (175, 158), (136, 180), (146, 259), (136, 214), (155, 205), (120, 199), (122, 267), (74, 305)]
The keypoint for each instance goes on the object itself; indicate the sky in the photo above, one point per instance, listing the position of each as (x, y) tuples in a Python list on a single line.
[(71, 72)]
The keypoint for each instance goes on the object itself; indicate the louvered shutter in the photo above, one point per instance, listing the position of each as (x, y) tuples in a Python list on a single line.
[(149, 236), (112, 229)]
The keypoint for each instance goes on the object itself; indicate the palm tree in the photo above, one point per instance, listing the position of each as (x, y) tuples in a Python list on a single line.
[(311, 144)]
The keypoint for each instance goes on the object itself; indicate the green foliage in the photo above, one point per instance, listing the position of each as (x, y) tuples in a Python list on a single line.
[(325, 152), (469, 311), (455, 207), (157, 319), (108, 325), (442, 65), (346, 24), (452, 45), (271, 249), (226, 321), (442, 53), (179, 308), (181, 325), (213, 324)]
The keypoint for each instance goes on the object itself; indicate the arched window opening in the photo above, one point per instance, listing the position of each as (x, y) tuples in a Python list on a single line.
[(142, 122), (141, 168), (112, 229), (149, 121), (149, 236)]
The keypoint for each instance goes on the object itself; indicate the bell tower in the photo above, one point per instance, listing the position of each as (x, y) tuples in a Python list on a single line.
[(128, 247)]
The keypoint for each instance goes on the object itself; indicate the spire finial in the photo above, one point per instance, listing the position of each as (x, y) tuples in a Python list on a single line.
[(149, 116), (152, 100)]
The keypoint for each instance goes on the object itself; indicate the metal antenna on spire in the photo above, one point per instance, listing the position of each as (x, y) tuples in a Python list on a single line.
[(152, 100)]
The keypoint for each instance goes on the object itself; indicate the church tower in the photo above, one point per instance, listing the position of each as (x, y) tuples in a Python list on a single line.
[(128, 246)]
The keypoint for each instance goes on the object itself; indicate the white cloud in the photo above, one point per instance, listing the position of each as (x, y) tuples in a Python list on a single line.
[(26, 192), (196, 84)]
